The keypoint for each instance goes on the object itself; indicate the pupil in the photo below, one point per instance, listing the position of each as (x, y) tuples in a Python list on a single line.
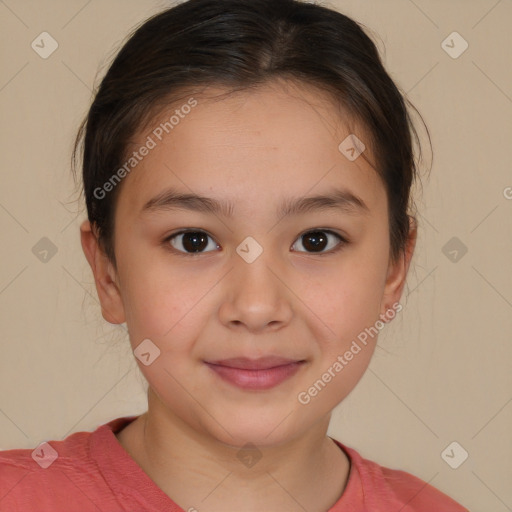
[(195, 242), (318, 240)]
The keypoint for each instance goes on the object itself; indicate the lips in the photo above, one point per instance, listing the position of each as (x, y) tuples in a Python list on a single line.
[(255, 374), (263, 363)]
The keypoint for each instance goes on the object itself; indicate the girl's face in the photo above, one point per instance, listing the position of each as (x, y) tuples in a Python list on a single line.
[(261, 284)]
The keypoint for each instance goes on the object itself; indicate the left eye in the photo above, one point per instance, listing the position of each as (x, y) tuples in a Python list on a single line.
[(197, 241), (316, 241)]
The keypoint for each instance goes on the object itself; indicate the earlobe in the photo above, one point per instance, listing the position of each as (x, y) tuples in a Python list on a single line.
[(104, 275), (398, 270)]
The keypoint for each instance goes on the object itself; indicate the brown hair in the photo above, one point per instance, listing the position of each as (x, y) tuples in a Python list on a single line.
[(240, 44)]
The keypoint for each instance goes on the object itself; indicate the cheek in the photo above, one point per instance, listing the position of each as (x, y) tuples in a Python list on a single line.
[(348, 299), (165, 306), (343, 355), (166, 313), (349, 304)]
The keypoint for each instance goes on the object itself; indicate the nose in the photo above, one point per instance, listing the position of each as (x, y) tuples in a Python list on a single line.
[(256, 296)]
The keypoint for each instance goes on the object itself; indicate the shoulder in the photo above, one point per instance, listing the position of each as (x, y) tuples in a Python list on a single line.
[(417, 494), (55, 475), (28, 475), (385, 487)]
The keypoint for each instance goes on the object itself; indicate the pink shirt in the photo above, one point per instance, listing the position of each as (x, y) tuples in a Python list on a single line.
[(93, 472)]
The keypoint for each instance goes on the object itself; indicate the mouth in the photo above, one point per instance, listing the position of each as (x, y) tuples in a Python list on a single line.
[(257, 374)]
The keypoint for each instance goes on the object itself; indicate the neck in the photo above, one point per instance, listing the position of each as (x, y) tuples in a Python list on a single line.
[(197, 471)]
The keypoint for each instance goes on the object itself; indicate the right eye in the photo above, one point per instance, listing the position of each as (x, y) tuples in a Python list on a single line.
[(190, 241)]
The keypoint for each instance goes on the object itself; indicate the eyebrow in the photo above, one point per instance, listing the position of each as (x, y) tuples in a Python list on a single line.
[(336, 199)]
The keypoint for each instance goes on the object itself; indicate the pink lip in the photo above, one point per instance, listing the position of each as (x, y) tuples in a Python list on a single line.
[(263, 373)]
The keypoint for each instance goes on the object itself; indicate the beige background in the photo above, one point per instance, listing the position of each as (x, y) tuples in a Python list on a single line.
[(442, 372)]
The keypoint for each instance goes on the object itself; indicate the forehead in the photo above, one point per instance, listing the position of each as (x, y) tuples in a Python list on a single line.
[(259, 143)]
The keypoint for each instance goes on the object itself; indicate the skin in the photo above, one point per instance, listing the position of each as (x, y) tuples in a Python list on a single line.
[(254, 148)]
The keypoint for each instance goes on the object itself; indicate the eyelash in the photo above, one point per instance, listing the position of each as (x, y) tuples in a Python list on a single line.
[(342, 242)]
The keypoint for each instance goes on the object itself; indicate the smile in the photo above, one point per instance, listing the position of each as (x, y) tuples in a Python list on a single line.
[(258, 375)]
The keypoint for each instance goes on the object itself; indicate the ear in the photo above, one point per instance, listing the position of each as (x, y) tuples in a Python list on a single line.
[(104, 275), (397, 271)]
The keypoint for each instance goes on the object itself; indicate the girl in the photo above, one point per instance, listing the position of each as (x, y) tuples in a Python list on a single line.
[(247, 167)]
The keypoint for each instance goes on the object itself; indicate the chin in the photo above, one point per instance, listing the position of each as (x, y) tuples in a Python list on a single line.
[(272, 430)]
